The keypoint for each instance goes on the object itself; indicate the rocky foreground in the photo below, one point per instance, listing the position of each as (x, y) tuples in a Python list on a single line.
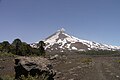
[(34, 66), (74, 67), (81, 67)]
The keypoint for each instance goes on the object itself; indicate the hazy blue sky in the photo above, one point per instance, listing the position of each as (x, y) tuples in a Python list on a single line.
[(33, 20)]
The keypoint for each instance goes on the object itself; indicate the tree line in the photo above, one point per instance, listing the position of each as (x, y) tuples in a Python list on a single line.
[(100, 52), (18, 47)]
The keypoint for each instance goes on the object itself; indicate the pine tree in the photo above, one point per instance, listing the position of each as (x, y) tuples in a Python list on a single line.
[(17, 44), (41, 46)]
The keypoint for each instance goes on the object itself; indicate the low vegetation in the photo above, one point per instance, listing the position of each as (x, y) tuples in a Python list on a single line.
[(2, 54), (118, 61), (86, 60), (6, 78), (42, 77)]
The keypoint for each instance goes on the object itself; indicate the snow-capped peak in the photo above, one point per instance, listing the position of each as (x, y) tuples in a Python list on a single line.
[(61, 30), (61, 41)]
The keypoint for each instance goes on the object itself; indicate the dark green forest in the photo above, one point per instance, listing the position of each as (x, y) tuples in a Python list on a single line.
[(17, 47)]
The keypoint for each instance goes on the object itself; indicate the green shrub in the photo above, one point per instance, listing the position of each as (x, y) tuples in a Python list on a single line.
[(42, 77), (6, 78), (28, 78), (118, 61), (7, 54), (86, 60)]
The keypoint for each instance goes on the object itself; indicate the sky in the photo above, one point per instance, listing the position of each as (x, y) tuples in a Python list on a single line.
[(35, 20)]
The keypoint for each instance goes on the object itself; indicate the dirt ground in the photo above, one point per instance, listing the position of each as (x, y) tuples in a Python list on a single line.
[(82, 67), (7, 66), (75, 67)]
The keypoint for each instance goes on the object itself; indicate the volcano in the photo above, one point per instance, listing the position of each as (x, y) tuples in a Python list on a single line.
[(60, 41)]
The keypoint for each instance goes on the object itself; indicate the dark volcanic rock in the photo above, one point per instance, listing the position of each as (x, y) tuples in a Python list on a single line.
[(33, 66)]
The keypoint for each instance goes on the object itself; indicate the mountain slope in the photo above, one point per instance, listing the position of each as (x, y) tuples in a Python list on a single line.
[(61, 41)]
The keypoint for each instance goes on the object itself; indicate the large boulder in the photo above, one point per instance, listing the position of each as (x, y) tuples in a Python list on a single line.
[(33, 66)]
